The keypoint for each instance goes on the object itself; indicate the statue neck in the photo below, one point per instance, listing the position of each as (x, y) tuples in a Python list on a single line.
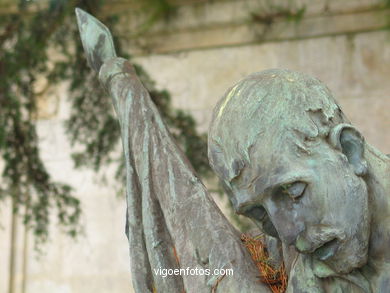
[(378, 183)]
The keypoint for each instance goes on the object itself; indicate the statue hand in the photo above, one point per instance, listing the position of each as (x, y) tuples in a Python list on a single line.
[(96, 39)]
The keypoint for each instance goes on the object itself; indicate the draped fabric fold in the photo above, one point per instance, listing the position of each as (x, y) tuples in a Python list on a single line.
[(172, 221)]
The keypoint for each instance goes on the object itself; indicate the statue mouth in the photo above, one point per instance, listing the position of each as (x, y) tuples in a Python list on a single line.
[(327, 250)]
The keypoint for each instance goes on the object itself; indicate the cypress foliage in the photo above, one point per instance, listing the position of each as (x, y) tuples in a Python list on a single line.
[(25, 40)]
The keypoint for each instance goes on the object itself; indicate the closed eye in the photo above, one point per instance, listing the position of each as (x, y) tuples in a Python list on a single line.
[(294, 190)]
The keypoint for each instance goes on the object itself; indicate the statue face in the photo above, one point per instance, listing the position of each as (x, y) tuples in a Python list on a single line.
[(313, 201)]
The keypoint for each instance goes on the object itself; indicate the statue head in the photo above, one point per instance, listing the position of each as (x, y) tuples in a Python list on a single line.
[(291, 161)]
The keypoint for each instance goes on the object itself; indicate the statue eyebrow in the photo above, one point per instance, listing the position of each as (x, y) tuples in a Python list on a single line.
[(237, 168), (276, 182), (238, 173)]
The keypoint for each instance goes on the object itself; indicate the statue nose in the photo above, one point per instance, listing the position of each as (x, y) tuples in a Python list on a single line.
[(302, 244), (291, 235), (315, 236), (287, 226)]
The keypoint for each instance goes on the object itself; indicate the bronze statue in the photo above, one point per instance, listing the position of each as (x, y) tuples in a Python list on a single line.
[(292, 162), (289, 159)]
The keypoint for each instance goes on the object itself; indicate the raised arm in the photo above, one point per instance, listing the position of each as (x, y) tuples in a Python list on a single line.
[(172, 220)]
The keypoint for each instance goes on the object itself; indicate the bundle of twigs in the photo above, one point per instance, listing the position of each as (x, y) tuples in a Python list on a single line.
[(275, 278)]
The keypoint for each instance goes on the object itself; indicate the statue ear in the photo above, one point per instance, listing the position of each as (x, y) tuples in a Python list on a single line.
[(348, 140)]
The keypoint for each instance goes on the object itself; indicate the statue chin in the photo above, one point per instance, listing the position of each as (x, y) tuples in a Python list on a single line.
[(357, 262), (343, 262)]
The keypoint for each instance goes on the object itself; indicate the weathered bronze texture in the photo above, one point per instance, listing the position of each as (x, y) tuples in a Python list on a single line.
[(289, 159)]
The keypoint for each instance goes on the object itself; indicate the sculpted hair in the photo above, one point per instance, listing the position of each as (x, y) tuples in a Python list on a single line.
[(275, 105)]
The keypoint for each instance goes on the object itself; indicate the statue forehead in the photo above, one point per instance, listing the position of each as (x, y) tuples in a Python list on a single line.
[(276, 109), (275, 98), (267, 156), (283, 88)]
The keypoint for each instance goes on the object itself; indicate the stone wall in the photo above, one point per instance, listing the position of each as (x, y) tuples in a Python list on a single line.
[(205, 48), (208, 46), (355, 67)]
